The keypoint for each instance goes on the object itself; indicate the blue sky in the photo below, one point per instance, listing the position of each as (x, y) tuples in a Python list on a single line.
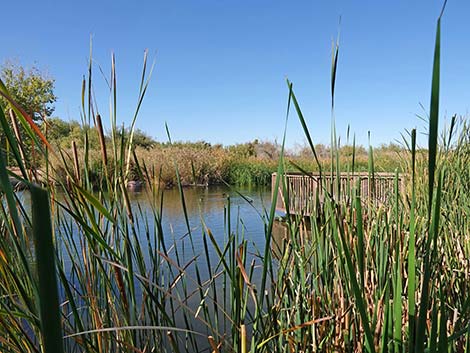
[(221, 65)]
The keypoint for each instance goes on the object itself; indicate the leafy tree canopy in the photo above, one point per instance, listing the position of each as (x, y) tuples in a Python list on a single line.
[(140, 138), (61, 133), (30, 88)]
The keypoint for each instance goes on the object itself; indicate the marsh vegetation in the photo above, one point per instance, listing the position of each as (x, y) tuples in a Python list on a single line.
[(91, 270)]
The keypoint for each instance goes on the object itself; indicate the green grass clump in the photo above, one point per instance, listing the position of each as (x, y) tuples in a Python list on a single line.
[(251, 172)]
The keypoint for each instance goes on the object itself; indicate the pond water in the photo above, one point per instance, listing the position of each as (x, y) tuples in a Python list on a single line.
[(220, 209), (211, 206)]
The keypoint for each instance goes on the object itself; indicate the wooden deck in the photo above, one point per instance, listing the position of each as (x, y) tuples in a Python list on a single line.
[(302, 190)]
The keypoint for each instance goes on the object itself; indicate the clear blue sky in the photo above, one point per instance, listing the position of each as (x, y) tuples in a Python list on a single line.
[(221, 65)]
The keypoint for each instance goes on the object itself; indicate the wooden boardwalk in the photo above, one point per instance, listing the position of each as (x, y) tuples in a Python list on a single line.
[(302, 190)]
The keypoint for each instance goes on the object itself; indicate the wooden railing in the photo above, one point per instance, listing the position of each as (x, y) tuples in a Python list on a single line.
[(302, 191)]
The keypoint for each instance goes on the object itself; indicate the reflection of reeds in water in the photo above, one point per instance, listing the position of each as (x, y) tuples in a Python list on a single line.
[(360, 277)]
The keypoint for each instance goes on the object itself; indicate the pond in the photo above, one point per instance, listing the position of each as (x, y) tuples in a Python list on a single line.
[(241, 212), (210, 208), (210, 203), (225, 212)]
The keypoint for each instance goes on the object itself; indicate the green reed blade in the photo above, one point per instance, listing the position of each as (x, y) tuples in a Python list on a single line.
[(334, 66), (45, 256), (412, 252), (360, 302), (13, 143), (95, 202), (397, 307), (26, 120), (269, 228), (451, 129), (385, 335), (353, 155), (305, 128), (430, 253), (443, 344), (142, 90), (434, 114), (360, 235), (432, 345), (90, 71), (432, 153)]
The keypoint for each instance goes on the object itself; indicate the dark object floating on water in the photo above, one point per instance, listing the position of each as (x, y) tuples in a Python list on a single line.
[(134, 185)]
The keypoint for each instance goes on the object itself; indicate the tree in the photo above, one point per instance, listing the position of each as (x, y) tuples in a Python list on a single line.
[(61, 133), (31, 89), (34, 92), (140, 138)]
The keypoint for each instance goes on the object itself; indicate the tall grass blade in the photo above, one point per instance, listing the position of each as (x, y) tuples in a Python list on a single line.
[(432, 154), (305, 128), (434, 113), (358, 295), (429, 257), (412, 251), (13, 143), (45, 256), (334, 67)]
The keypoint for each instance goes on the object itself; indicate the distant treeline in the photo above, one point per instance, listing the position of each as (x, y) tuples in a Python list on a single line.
[(203, 163)]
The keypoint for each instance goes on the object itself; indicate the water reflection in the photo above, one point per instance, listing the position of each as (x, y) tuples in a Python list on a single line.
[(210, 205), (222, 210)]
